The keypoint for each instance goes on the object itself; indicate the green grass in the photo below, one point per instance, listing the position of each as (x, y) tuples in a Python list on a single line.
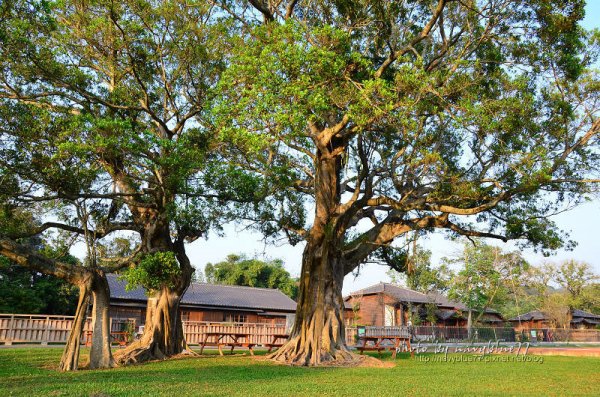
[(32, 372)]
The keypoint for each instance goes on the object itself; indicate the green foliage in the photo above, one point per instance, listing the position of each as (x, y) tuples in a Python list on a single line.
[(153, 272), (487, 277), (23, 291), (478, 120), (421, 276), (239, 270), (430, 310), (573, 277), (124, 128)]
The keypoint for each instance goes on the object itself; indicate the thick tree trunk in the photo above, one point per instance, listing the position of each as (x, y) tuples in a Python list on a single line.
[(318, 335), (100, 354), (163, 331), (70, 357)]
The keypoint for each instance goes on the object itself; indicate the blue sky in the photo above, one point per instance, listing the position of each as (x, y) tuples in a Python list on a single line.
[(583, 223)]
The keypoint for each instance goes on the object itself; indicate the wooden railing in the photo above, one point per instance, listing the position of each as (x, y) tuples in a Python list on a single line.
[(352, 332), (44, 329), (35, 328), (479, 334), (25, 328)]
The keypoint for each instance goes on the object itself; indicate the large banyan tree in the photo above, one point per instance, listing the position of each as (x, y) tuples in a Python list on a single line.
[(477, 117), (103, 102)]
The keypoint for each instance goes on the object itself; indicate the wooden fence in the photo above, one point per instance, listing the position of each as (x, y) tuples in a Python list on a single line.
[(479, 334), (24, 328), (34, 328)]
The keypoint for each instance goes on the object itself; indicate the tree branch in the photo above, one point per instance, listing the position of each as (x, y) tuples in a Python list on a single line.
[(24, 256)]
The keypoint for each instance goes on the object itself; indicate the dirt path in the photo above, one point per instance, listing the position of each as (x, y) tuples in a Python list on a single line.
[(565, 351)]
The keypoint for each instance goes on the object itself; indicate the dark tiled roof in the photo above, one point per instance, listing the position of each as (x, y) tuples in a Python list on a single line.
[(585, 320), (576, 314), (210, 295), (447, 314), (533, 315), (490, 318), (402, 294), (581, 313)]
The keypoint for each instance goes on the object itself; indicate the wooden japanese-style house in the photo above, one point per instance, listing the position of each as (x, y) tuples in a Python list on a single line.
[(209, 303), (537, 319), (386, 304)]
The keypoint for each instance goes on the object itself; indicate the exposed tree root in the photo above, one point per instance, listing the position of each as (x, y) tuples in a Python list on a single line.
[(342, 357), (294, 352), (137, 353)]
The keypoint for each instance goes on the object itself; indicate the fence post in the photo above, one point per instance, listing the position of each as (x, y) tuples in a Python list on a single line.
[(11, 332), (46, 331)]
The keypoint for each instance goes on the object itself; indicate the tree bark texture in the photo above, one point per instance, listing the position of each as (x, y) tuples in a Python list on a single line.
[(318, 335), (100, 353), (70, 357), (163, 331)]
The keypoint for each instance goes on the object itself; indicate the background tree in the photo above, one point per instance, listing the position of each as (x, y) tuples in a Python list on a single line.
[(558, 289), (573, 277), (557, 307), (422, 275), (27, 291), (591, 298), (240, 270), (103, 101), (391, 118), (478, 282)]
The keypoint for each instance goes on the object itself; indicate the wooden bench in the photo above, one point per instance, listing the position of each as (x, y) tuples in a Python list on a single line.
[(122, 338), (396, 341), (233, 345), (271, 346), (230, 339), (275, 341), (379, 349)]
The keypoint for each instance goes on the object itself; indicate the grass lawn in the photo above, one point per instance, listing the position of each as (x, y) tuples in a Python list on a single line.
[(31, 372)]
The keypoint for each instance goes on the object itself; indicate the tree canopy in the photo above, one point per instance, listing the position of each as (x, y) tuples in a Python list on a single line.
[(104, 132), (479, 118)]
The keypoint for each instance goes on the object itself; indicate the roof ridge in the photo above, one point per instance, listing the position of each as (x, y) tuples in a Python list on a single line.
[(218, 285), (404, 288)]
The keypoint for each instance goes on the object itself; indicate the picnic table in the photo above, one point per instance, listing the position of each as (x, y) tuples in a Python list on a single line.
[(277, 340), (377, 343), (231, 339)]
